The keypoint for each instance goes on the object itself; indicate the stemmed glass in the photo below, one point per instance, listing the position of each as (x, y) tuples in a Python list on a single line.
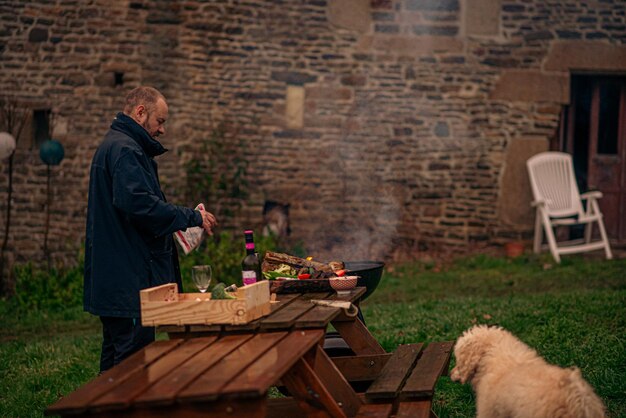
[(201, 276)]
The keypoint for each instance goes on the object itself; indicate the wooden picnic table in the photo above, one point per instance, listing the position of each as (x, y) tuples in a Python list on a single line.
[(297, 311), (227, 370)]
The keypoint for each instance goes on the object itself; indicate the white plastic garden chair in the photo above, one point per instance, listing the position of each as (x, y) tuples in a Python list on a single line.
[(559, 203)]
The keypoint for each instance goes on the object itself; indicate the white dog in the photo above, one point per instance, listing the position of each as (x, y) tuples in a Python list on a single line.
[(512, 381)]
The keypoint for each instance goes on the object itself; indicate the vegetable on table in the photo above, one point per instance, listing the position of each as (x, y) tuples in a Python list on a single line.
[(218, 292)]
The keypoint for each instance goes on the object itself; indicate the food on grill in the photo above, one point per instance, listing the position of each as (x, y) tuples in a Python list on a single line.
[(337, 265), (285, 265)]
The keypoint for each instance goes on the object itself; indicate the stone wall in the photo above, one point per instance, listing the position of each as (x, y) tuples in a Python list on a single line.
[(386, 124)]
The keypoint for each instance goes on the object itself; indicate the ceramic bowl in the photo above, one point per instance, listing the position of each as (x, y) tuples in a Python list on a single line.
[(343, 284)]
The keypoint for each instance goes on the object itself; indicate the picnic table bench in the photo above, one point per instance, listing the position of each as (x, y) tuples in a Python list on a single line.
[(227, 370), (406, 385)]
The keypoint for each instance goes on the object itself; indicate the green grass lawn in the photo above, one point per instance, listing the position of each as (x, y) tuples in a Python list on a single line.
[(572, 314)]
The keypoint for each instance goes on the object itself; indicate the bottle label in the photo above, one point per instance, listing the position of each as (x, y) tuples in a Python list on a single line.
[(249, 277), (249, 245)]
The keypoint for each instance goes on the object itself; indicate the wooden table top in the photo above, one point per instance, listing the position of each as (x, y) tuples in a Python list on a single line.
[(289, 311), (182, 372)]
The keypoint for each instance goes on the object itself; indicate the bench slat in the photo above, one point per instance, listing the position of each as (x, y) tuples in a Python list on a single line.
[(433, 362), (393, 375), (123, 394), (208, 385), (82, 397), (374, 410), (414, 409), (267, 369), (165, 390), (361, 368)]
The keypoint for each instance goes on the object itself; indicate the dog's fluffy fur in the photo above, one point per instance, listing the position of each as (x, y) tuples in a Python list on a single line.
[(511, 380)]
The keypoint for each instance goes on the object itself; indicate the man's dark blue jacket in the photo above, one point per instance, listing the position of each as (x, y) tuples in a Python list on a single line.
[(129, 244)]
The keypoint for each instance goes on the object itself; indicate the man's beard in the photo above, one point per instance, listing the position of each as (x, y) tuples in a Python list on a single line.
[(145, 126)]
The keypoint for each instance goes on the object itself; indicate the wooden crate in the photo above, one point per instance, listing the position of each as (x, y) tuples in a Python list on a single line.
[(163, 305)]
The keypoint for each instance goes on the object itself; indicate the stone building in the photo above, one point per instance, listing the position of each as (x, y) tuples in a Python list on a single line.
[(388, 126)]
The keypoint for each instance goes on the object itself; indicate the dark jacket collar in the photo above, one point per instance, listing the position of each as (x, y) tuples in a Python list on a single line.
[(127, 125)]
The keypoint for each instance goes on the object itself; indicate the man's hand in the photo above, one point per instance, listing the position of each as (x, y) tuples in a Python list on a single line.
[(208, 221)]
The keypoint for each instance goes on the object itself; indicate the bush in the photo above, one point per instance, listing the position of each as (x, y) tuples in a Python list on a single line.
[(38, 289), (58, 289)]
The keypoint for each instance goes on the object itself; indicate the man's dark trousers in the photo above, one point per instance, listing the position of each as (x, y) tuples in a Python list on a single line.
[(122, 337)]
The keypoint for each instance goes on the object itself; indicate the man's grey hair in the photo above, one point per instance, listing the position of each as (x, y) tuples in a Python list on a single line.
[(142, 95)]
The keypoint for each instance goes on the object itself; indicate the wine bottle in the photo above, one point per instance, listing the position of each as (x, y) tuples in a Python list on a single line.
[(251, 265)]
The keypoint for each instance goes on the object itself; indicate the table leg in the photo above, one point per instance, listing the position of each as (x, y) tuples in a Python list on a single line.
[(336, 383), (310, 393), (358, 337)]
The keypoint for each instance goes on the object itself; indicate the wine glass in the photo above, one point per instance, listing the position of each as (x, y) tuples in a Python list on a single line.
[(201, 276)]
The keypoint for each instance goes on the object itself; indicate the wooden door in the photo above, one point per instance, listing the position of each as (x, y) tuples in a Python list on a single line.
[(607, 152), (593, 130)]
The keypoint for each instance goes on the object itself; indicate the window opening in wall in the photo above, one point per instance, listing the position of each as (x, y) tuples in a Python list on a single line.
[(41, 126), (118, 79)]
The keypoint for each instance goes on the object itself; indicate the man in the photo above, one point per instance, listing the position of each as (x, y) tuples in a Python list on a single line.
[(129, 244)]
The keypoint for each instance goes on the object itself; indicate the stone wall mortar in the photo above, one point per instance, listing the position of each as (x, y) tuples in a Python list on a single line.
[(400, 146)]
